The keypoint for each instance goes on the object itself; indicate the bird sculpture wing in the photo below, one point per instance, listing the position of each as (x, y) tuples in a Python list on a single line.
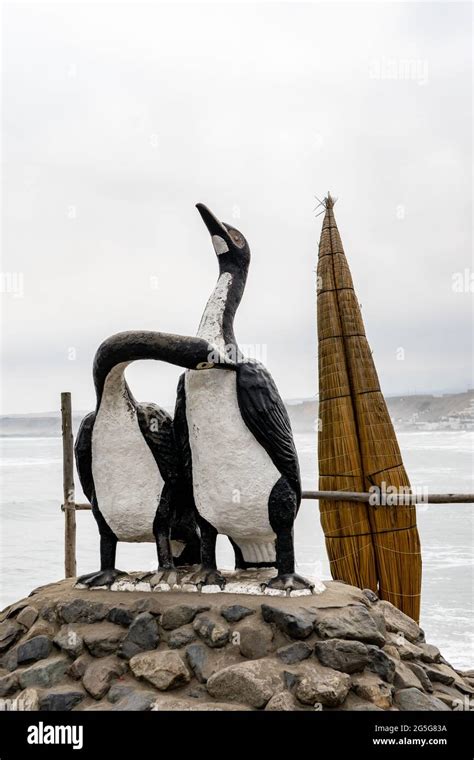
[(182, 433), (156, 426), (265, 415), (83, 454)]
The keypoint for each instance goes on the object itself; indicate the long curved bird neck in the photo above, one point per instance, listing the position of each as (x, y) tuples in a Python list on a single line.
[(115, 391), (115, 353), (113, 357), (217, 321)]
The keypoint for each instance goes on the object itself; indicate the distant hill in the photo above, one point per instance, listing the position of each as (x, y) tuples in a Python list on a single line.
[(450, 411), (447, 411)]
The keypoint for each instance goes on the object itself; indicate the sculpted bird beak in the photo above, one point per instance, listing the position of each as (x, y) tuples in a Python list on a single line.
[(212, 223), (219, 234)]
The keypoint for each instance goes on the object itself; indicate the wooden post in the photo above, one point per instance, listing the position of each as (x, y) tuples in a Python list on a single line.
[(68, 488)]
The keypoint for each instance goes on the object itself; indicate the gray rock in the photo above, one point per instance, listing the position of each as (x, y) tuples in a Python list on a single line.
[(197, 657), (40, 628), (214, 633), (168, 704), (379, 620), (464, 686), (250, 683), (27, 616), (255, 641), (121, 616), (353, 703), (9, 633), (49, 613), (454, 703), (136, 701), (348, 656), (452, 697), (181, 614), (371, 595), (414, 699), (236, 612), (44, 673), (77, 669), (282, 702), (181, 637), (69, 640), (8, 684), (381, 664), (290, 680), (296, 625), (405, 678), (397, 622), (35, 649), (164, 670), (142, 636), (370, 687), (420, 673), (99, 674), (197, 692), (391, 651), (61, 699), (437, 673), (13, 609), (405, 648), (119, 690), (323, 686), (295, 652), (102, 639), (81, 611), (429, 653), (151, 603), (355, 622), (9, 661), (442, 673)]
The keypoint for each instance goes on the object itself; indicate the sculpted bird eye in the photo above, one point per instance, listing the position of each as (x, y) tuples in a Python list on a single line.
[(238, 239)]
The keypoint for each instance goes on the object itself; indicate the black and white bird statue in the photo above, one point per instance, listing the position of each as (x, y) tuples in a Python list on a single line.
[(128, 463), (235, 434)]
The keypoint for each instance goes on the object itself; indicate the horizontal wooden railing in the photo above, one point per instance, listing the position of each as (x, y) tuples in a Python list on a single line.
[(391, 499), (356, 496)]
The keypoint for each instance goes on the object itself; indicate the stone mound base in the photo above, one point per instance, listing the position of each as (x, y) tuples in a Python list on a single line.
[(69, 649)]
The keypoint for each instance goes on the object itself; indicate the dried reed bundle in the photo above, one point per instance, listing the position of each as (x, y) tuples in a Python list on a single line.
[(370, 547)]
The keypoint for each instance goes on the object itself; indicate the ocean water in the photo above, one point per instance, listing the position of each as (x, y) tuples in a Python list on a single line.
[(32, 529)]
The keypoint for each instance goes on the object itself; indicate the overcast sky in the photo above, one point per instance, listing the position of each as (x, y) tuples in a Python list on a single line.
[(117, 119)]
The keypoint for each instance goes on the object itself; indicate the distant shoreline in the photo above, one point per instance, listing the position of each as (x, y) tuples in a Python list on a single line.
[(423, 412)]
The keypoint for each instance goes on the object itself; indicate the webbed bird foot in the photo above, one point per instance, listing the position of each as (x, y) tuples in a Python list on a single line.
[(208, 576), (169, 575), (100, 577), (288, 582)]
